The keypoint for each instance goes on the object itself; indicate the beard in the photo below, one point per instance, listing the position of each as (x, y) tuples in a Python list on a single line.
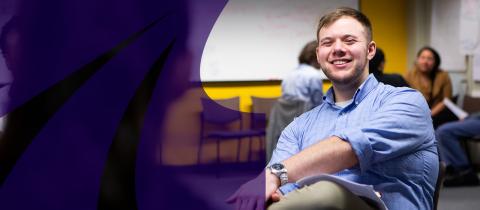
[(345, 77)]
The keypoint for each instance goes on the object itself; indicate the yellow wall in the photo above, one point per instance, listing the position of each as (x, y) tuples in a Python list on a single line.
[(389, 20), (245, 90)]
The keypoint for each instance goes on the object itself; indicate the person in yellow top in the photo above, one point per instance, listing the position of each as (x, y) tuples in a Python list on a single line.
[(433, 83)]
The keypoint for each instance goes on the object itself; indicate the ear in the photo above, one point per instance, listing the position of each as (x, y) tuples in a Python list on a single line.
[(371, 50)]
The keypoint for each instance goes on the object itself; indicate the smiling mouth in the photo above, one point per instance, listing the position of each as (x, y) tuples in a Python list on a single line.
[(340, 62)]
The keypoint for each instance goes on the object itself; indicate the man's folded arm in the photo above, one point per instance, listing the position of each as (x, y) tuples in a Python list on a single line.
[(399, 127)]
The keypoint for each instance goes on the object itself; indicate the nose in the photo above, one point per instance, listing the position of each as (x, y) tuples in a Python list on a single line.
[(338, 48)]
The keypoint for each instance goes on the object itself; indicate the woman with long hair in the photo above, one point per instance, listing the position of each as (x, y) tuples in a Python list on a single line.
[(433, 83)]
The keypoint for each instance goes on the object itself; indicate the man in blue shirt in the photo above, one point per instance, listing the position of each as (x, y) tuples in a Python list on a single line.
[(364, 131)]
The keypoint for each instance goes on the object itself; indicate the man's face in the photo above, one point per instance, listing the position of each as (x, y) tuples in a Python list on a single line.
[(344, 51)]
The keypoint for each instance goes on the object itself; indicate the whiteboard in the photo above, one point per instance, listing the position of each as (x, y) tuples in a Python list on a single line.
[(255, 40)]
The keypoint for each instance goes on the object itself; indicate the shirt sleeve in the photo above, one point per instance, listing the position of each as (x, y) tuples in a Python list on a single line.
[(400, 126)]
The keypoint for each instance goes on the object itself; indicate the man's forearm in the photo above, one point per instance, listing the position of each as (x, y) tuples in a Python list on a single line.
[(328, 156)]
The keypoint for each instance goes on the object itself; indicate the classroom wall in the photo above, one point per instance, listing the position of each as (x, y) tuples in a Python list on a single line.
[(389, 22), (390, 32)]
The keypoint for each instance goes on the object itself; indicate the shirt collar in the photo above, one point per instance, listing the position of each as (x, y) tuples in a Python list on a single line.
[(368, 85)]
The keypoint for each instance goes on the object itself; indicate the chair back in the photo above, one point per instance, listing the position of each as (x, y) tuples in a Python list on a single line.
[(471, 104), (283, 112), (438, 186), (222, 111), (261, 108), (263, 105)]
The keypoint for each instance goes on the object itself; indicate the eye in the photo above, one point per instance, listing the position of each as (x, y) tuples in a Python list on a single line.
[(350, 41), (326, 43)]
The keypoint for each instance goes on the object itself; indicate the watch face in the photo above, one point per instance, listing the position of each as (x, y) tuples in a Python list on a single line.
[(277, 166)]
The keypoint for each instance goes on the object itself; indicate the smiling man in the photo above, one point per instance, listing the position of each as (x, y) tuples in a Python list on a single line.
[(364, 132)]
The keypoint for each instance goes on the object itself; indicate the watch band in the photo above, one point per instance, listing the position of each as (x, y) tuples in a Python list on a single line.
[(283, 178), (279, 170)]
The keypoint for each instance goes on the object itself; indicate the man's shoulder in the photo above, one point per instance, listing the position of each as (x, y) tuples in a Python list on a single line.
[(384, 89), (312, 113), (406, 95)]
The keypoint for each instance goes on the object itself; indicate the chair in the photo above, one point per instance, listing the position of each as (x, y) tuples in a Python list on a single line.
[(283, 112), (470, 105), (438, 186), (261, 108), (264, 106), (223, 113)]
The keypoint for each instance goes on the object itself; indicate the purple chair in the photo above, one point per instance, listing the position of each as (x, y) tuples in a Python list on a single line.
[(223, 113), (261, 108)]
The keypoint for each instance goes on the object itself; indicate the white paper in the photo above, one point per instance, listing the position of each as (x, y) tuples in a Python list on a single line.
[(460, 113)]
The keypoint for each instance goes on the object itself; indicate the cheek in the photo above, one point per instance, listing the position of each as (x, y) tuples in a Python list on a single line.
[(322, 56)]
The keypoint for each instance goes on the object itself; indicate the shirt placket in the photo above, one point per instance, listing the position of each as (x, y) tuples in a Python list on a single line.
[(341, 121)]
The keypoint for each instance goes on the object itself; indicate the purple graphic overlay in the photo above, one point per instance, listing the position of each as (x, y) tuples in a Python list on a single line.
[(94, 124)]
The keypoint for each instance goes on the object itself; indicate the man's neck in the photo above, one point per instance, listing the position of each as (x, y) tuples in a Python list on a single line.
[(344, 92)]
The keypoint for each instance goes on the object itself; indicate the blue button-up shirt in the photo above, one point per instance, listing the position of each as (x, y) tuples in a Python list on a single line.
[(390, 130)]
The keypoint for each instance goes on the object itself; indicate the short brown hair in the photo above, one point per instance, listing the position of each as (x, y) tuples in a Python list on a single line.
[(333, 16)]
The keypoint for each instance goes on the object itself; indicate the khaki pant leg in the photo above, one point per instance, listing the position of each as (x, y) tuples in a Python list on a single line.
[(323, 195)]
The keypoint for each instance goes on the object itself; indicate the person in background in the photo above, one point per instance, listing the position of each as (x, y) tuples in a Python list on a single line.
[(302, 89), (433, 83), (376, 66), (305, 82), (459, 170)]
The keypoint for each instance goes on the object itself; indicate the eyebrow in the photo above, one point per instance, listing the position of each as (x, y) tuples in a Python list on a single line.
[(343, 37), (324, 40)]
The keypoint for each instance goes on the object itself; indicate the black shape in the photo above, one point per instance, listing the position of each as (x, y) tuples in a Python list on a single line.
[(25, 122), (117, 189)]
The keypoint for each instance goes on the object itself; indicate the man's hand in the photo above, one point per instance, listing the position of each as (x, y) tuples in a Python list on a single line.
[(255, 193)]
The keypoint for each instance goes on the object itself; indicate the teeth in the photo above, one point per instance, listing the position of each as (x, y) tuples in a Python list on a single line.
[(339, 62)]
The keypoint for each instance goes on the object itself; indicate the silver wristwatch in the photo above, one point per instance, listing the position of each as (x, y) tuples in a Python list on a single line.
[(280, 171)]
